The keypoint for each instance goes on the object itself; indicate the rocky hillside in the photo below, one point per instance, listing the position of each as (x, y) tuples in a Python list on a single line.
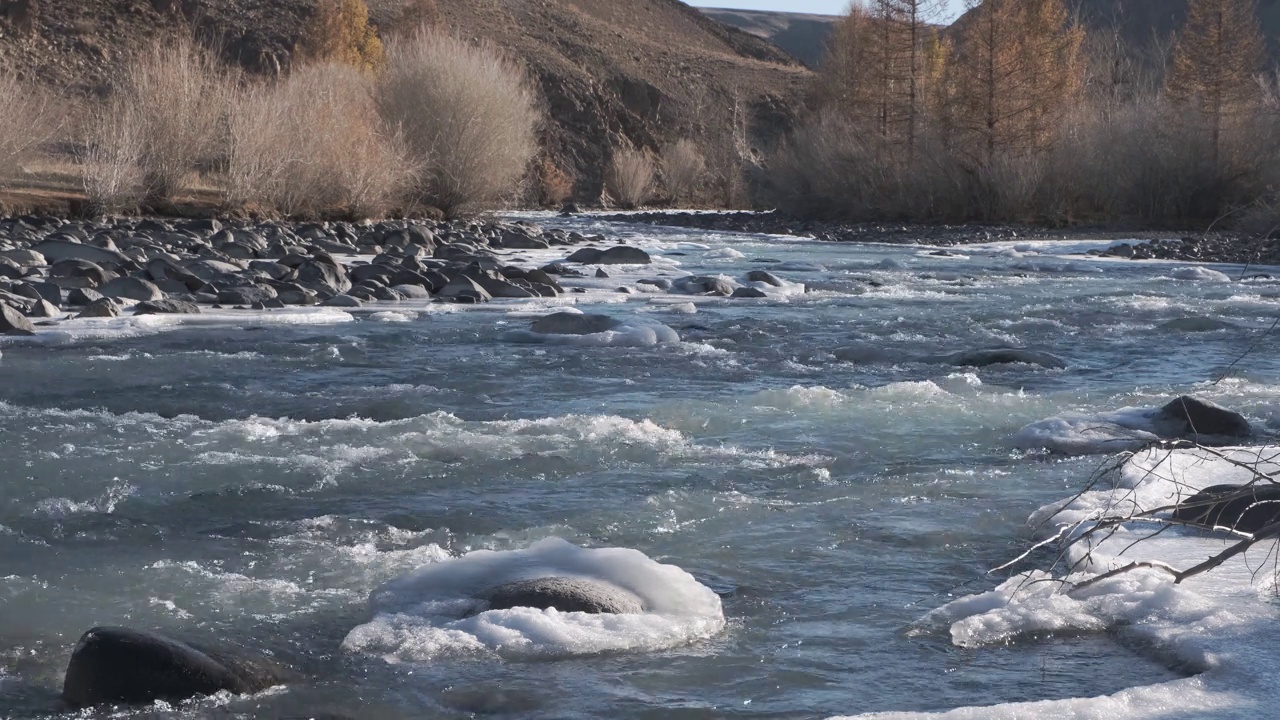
[(641, 71), (803, 36)]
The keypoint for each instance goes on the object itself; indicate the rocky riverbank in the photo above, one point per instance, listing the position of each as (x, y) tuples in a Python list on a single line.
[(1222, 247), (53, 270)]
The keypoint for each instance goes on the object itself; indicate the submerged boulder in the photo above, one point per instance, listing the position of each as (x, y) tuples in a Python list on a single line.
[(566, 594), (563, 323), (1001, 356), (1245, 509), (112, 665), (1189, 417)]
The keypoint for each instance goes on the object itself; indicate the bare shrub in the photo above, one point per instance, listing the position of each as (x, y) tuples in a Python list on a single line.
[(828, 168), (554, 185), (632, 177), (311, 145), (28, 120), (111, 164), (467, 117), (683, 167), (339, 31), (178, 91)]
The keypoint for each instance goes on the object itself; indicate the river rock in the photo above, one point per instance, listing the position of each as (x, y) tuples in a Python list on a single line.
[(563, 323), (347, 301), (100, 308), (1243, 509), (463, 289), (765, 277), (82, 296), (1189, 417), (166, 306), (25, 257), (412, 292), (41, 308), (704, 285), (80, 269), (1000, 356), (516, 240), (112, 665), (13, 323), (57, 250), (247, 295), (566, 594), (624, 255), (748, 292), (131, 288)]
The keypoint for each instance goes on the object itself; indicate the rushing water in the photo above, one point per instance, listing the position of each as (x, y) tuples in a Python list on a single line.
[(254, 483)]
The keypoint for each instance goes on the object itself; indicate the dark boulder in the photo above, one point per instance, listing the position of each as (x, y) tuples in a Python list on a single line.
[(748, 292), (1187, 416), (1240, 508), (121, 666), (566, 594), (586, 256), (624, 255), (563, 323)]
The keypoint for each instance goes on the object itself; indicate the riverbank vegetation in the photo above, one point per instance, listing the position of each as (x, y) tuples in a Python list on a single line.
[(1016, 114), (353, 129)]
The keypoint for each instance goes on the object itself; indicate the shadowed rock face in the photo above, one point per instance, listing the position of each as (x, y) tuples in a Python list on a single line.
[(566, 595), (1243, 509), (121, 666)]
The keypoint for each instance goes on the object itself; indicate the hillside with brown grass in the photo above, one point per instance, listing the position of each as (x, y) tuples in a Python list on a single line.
[(642, 73)]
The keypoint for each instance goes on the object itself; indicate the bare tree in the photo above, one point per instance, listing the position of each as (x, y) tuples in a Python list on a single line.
[(1216, 61)]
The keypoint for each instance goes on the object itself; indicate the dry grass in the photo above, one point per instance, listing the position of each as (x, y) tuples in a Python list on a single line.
[(632, 177), (467, 116), (178, 92), (683, 168), (311, 145), (111, 166), (28, 120)]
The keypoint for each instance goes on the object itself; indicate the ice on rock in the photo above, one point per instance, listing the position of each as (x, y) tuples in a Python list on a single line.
[(424, 615), (629, 332), (1196, 272), (1217, 625)]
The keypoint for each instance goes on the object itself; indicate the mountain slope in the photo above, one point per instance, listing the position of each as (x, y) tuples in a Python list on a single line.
[(803, 36), (641, 71)]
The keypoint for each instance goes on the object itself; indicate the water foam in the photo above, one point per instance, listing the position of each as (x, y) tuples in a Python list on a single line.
[(421, 616)]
